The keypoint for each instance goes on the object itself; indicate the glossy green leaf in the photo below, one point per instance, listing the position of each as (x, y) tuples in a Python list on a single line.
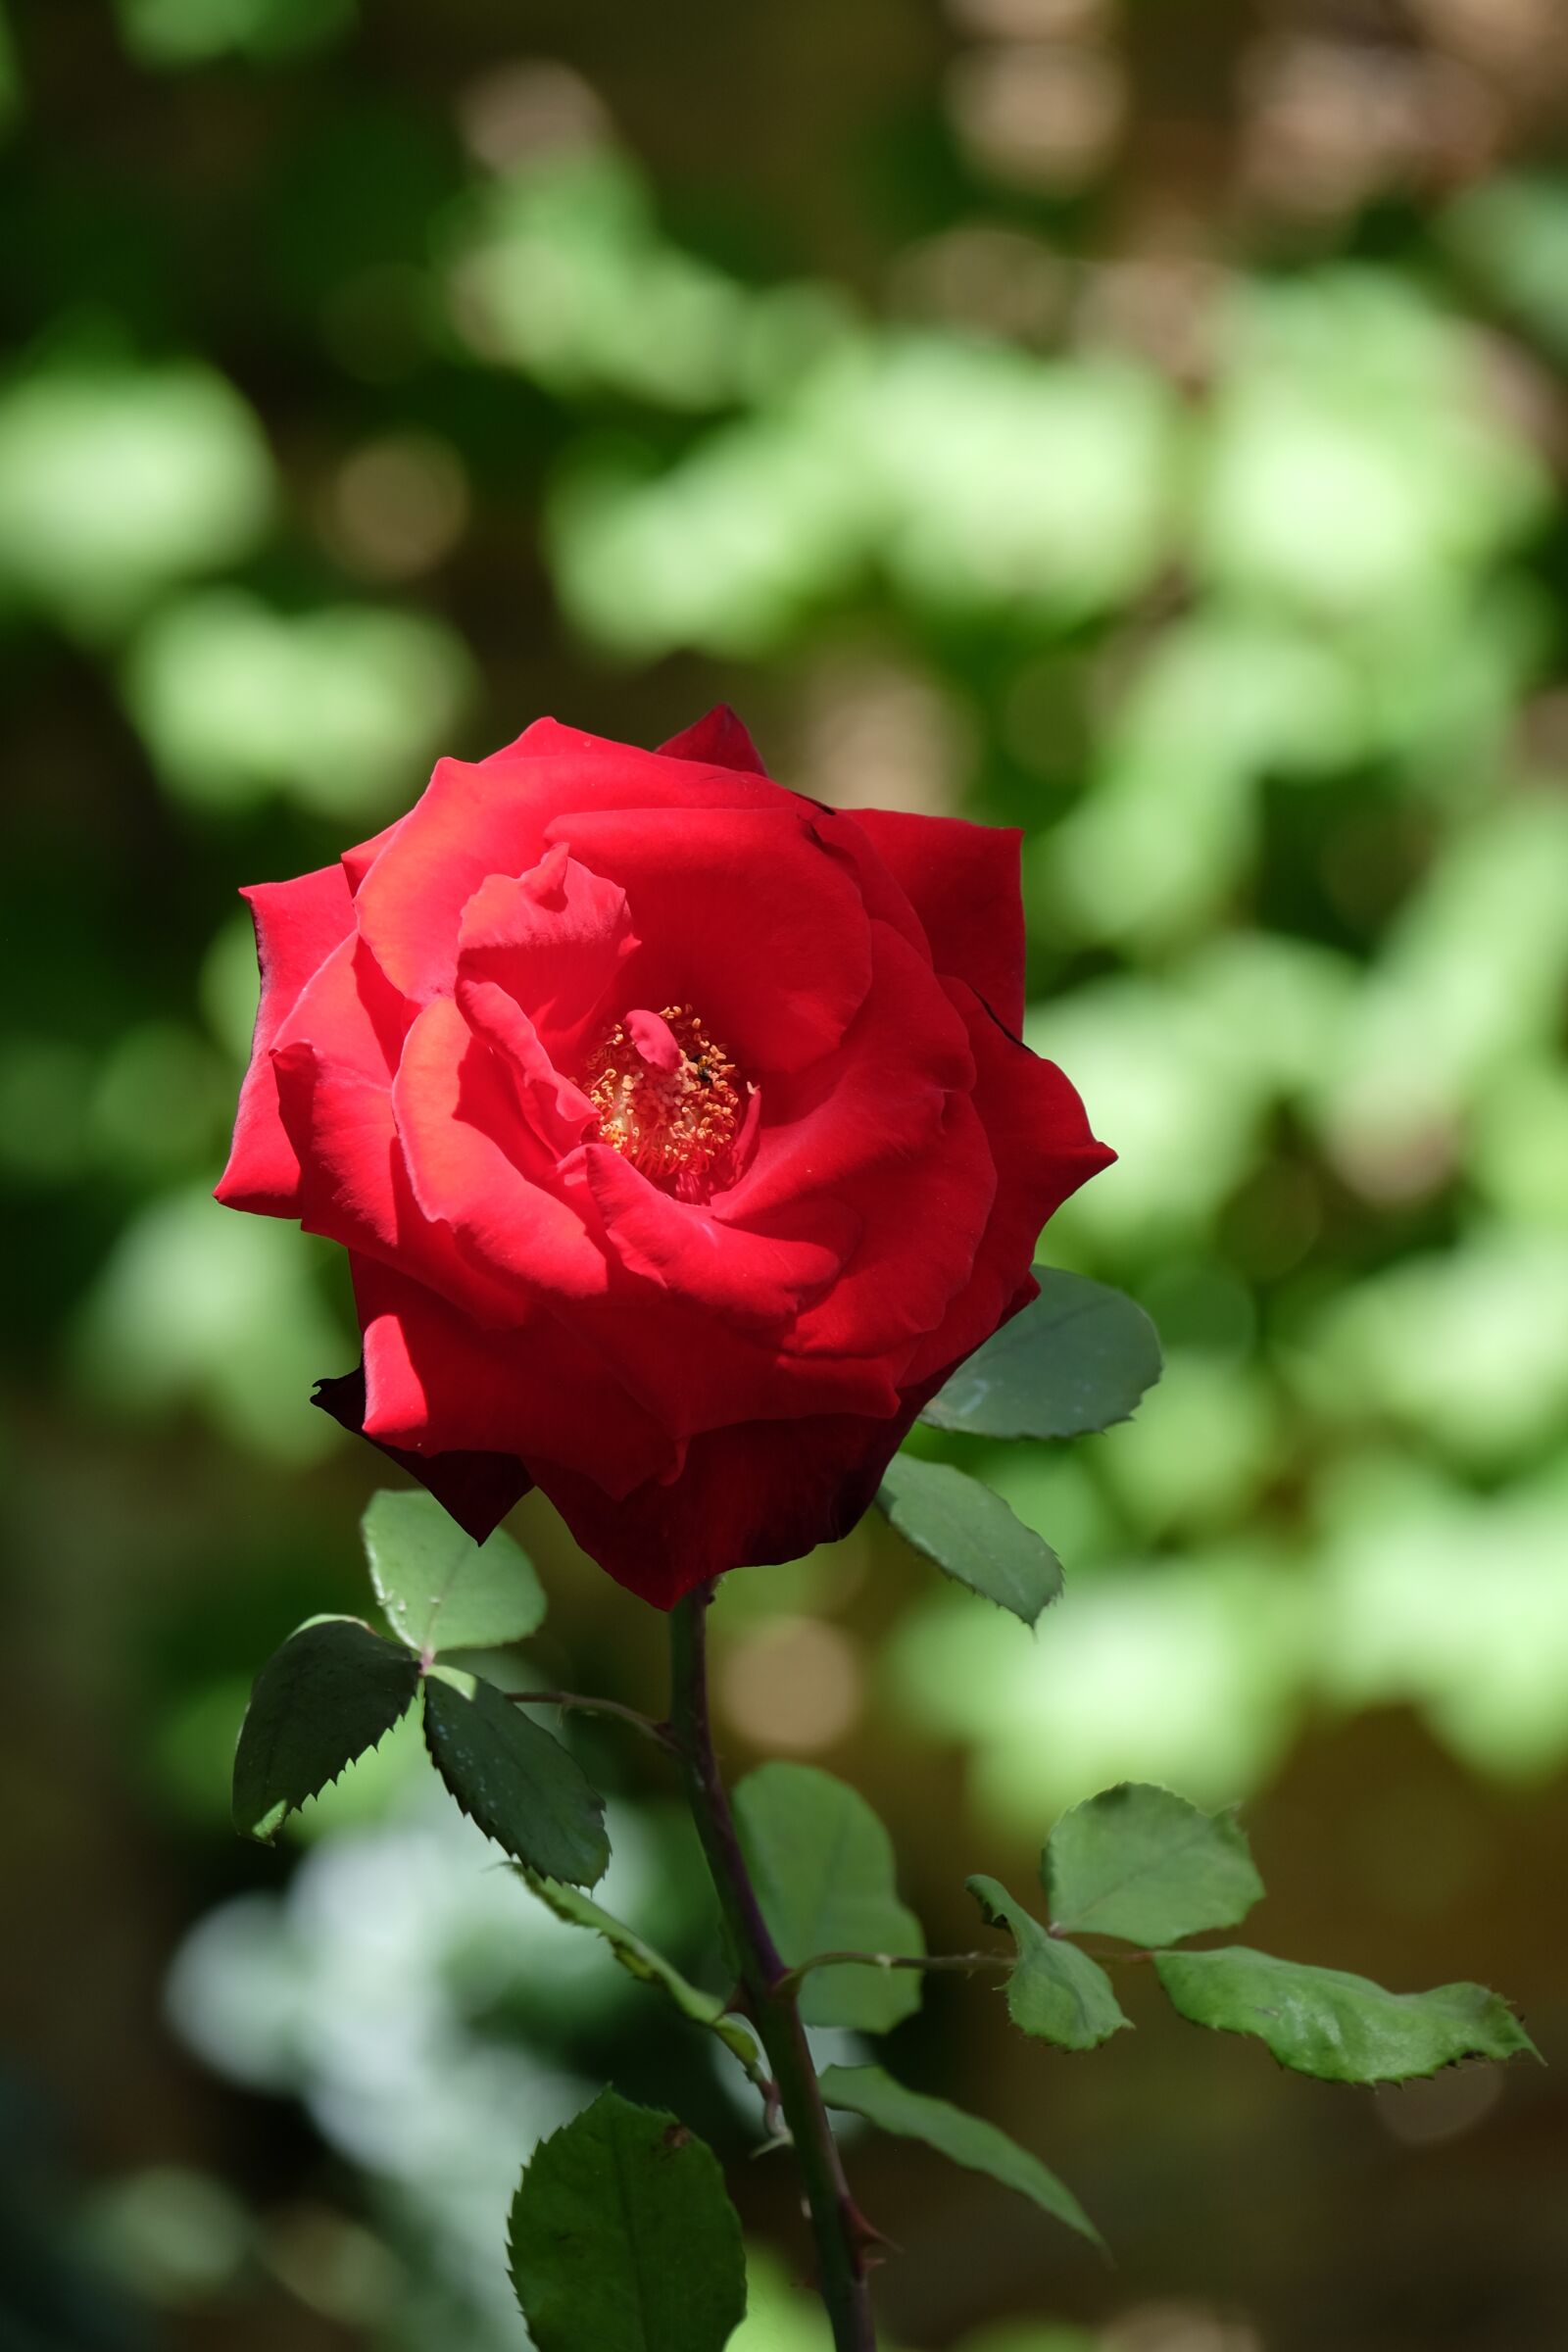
[(514, 1778), (1076, 1359), (439, 1588), (1141, 1863), (1343, 2029), (967, 2139), (623, 2238), (823, 1868), (641, 1960), (971, 1535), (331, 1691), (1056, 1991)]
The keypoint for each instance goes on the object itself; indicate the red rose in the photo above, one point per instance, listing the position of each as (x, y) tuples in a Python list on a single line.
[(677, 1126)]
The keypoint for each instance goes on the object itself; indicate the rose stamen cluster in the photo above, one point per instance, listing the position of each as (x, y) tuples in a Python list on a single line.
[(695, 1291), (666, 1099)]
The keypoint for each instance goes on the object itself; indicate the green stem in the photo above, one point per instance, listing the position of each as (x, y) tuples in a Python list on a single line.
[(842, 2235), (966, 1962)]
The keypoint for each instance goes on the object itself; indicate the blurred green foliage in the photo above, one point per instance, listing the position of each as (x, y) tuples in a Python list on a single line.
[(1139, 425)]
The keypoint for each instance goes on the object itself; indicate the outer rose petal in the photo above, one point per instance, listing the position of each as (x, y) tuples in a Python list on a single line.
[(298, 924), (924, 1219), (436, 1384), (716, 740), (358, 861), (355, 1188), (478, 1489), (1044, 1149), (346, 1014), (755, 1494), (886, 899), (490, 819), (963, 881), (696, 1372)]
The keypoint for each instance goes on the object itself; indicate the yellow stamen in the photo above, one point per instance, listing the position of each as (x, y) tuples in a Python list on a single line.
[(675, 1126)]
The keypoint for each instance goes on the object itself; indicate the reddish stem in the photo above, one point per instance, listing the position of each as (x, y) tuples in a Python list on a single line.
[(843, 2238)]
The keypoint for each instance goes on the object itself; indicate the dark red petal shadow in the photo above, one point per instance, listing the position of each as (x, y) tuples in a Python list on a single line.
[(478, 1489)]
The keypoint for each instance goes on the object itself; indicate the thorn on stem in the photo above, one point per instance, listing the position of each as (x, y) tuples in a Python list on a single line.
[(867, 2239)]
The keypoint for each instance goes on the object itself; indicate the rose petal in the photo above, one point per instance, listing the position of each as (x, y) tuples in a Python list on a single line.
[(742, 914), (885, 898), (348, 1014), (695, 1371), (358, 861), (716, 740), (551, 738), (355, 1187), (760, 1280), (880, 1096), (435, 1384), (478, 1489), (558, 1113), (463, 1138), (554, 938), (963, 881), (1044, 1149), (655, 1041), (475, 820), (298, 924), (753, 1495), (470, 821), (923, 1221)]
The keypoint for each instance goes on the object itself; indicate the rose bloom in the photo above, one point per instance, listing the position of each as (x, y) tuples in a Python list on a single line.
[(678, 1130)]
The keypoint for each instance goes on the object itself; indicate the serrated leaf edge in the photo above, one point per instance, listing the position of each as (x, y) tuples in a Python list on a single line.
[(270, 1837), (672, 2126), (434, 1667), (887, 1505), (428, 1652), (1222, 1813), (993, 1919), (1427, 2074)]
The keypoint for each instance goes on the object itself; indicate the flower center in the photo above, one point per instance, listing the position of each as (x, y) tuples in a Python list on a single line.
[(667, 1097)]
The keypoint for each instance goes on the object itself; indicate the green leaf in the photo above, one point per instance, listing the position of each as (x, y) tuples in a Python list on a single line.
[(514, 1778), (1056, 1991), (967, 2139), (1141, 1863), (641, 1960), (331, 1691), (823, 1868), (439, 1588), (1076, 1359), (1343, 2029), (623, 2238), (971, 1535)]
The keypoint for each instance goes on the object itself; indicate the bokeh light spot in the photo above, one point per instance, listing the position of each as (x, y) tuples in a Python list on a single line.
[(792, 1683)]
